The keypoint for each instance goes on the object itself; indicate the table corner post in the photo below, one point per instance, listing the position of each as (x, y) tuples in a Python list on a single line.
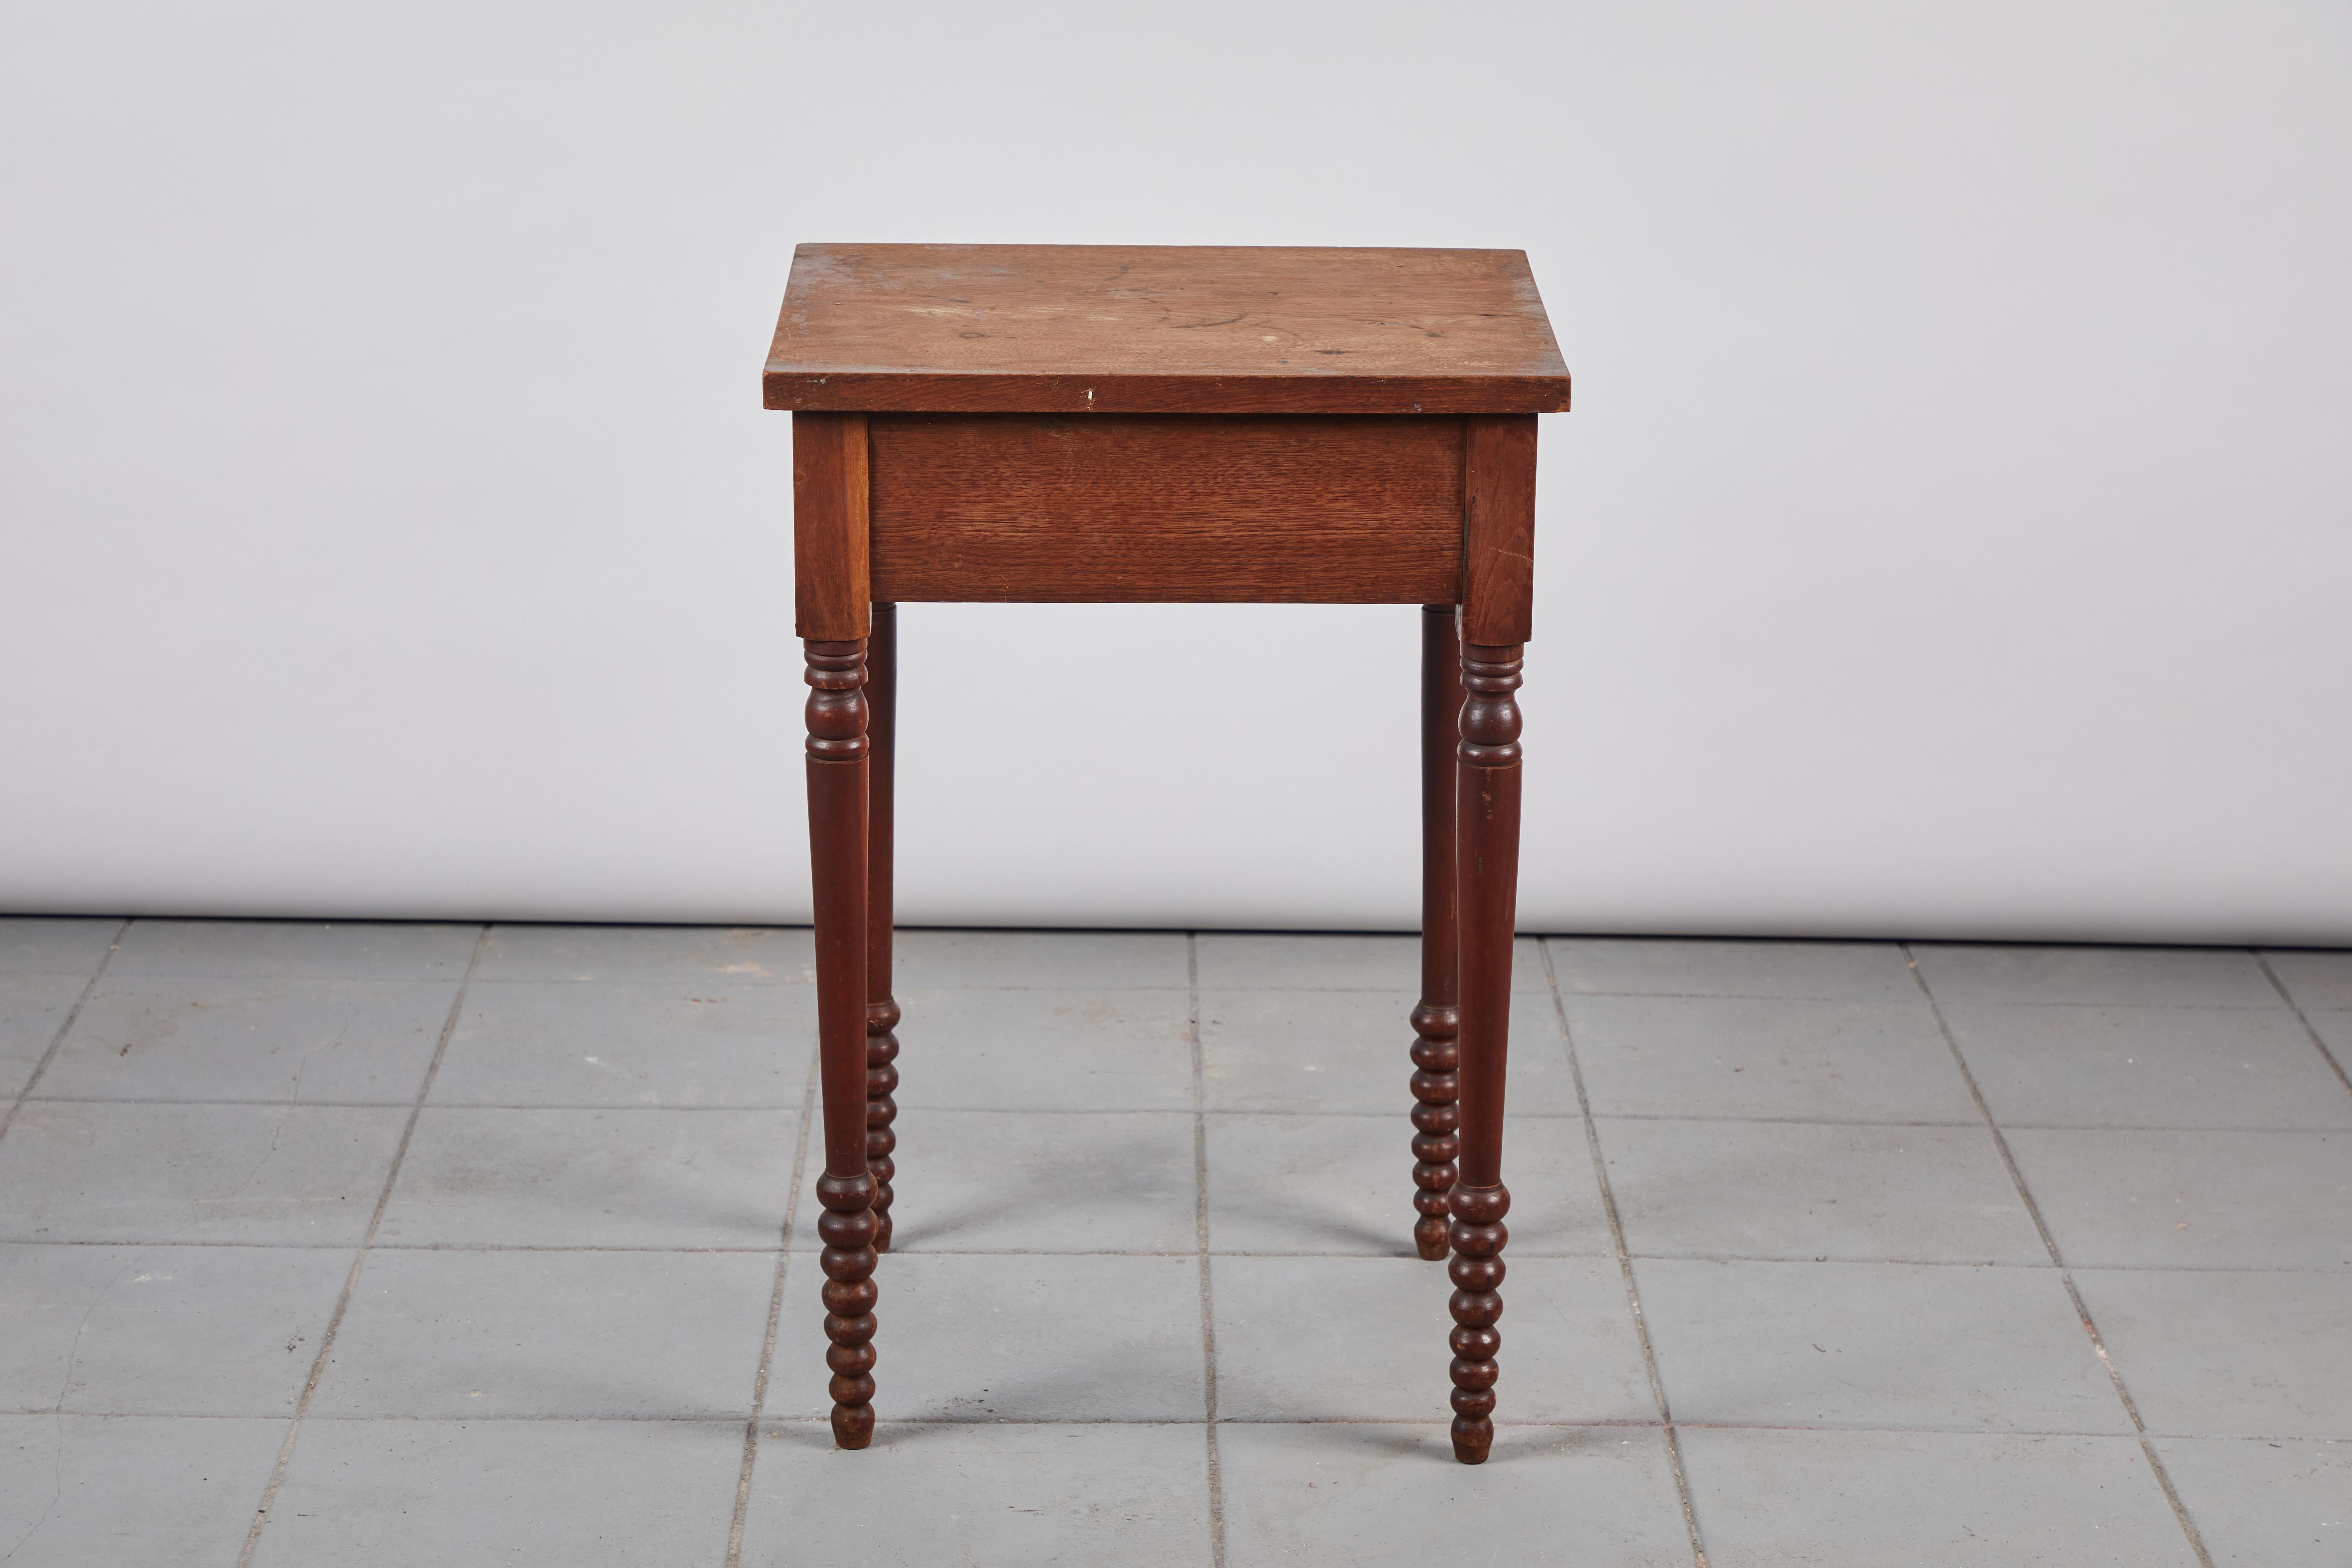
[(1438, 1016), (834, 620), (882, 1013), (1499, 557)]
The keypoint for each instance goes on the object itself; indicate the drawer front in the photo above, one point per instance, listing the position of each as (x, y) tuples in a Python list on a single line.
[(1124, 509)]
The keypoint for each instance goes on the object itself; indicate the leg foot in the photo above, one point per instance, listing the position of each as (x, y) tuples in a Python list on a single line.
[(881, 1079), (1477, 1233), (847, 1228), (1437, 1120)]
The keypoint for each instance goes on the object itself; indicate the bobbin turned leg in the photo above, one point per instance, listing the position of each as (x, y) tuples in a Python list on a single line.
[(881, 1007), (1437, 1021), (1489, 789), (1497, 577), (838, 778)]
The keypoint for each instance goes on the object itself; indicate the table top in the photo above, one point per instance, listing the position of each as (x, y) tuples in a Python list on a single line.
[(1112, 329)]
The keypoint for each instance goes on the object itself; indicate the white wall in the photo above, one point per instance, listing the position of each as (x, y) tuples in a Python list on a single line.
[(1952, 537)]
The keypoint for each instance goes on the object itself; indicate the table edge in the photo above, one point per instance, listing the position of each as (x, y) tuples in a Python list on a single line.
[(788, 387)]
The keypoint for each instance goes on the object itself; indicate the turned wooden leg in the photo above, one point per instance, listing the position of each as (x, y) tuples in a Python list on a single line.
[(1489, 806), (1437, 1021), (838, 770), (881, 1007)]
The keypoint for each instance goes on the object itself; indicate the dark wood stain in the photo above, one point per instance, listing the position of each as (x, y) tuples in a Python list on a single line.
[(1084, 329), (1025, 424), (1201, 508)]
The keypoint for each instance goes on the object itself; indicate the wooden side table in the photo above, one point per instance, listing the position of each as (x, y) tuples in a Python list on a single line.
[(1032, 424)]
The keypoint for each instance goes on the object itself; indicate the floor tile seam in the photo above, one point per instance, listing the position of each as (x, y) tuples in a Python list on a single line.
[(1803, 998), (648, 982), (718, 1419), (2118, 1006), (2078, 1269), (352, 1246), (389, 1104), (65, 1026), (2331, 1271), (1210, 1110), (320, 1361), (1213, 1466), (1230, 1113), (2163, 1475), (2318, 1043), (2040, 1266), (2119, 1434), (126, 982), (922, 991), (1897, 1123), (1948, 1125), (1670, 1438), (1812, 1000), (306, 975), (2115, 1434), (725, 1419), (1030, 1111), (2273, 1439), (806, 1247), (2302, 1132), (803, 1248), (779, 1108), (741, 1512)]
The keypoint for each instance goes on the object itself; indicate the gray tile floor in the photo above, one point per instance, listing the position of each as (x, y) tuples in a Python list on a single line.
[(406, 1244)]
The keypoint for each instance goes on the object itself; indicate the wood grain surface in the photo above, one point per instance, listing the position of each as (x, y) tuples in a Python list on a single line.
[(1084, 329), (1499, 547), (831, 593), (1166, 508)]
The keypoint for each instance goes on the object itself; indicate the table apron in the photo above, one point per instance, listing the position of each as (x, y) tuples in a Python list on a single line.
[(1200, 509)]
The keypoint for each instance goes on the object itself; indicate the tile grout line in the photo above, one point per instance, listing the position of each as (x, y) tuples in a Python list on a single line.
[(1200, 1246), (775, 1315), (152, 1244), (2263, 960), (359, 1258), (8, 1120), (1625, 1267), (1212, 1113), (672, 1418), (2267, 1129), (2066, 1274), (64, 1027)]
